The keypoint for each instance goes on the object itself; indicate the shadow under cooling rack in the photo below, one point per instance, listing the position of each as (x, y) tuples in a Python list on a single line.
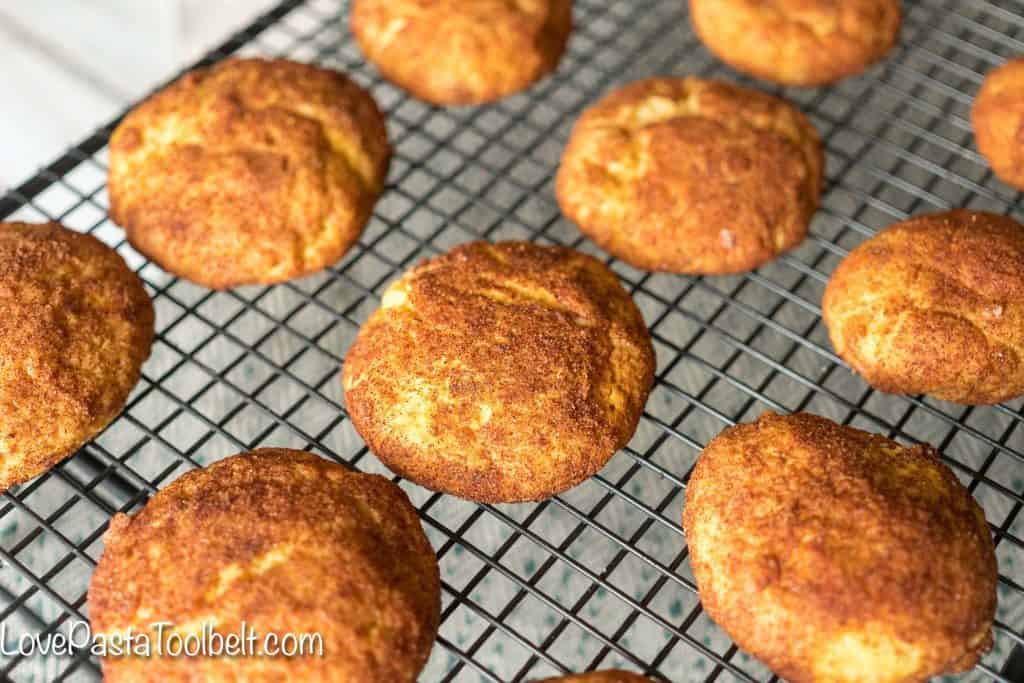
[(599, 576)]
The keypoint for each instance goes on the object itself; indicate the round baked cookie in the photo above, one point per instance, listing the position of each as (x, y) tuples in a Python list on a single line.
[(934, 305), (286, 543), (998, 118), (500, 373), (462, 51), (692, 176), (832, 554), (798, 42), (610, 676), (76, 325), (248, 172)]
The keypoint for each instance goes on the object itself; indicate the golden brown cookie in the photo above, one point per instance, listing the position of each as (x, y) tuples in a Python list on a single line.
[(500, 373), (998, 118), (249, 171), (934, 305), (285, 542), (76, 325), (692, 176), (610, 676), (459, 52), (798, 42), (833, 554)]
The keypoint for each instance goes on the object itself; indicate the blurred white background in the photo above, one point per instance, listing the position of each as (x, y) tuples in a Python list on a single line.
[(70, 65)]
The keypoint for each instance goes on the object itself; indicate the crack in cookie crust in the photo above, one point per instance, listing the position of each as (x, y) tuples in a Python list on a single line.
[(250, 171)]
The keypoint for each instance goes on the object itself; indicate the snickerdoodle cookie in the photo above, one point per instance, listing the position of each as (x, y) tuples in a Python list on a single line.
[(249, 171), (500, 373), (798, 42), (934, 305), (832, 554), (76, 325), (286, 543), (998, 118), (462, 51), (692, 176)]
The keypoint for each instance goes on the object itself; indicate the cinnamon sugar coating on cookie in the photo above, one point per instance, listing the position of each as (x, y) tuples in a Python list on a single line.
[(935, 305), (286, 542), (76, 325), (500, 373), (798, 42), (462, 51), (249, 171), (831, 554), (692, 176)]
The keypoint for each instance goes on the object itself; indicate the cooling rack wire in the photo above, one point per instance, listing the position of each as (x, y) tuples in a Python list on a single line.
[(597, 577)]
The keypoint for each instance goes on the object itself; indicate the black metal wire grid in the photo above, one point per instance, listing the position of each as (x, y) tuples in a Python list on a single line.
[(597, 577)]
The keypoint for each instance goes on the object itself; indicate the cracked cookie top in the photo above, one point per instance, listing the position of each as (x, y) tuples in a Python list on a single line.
[(250, 171), (284, 542), (830, 553), (500, 373), (935, 305), (692, 176)]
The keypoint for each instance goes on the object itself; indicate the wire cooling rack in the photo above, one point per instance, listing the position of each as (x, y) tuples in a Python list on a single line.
[(599, 576)]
